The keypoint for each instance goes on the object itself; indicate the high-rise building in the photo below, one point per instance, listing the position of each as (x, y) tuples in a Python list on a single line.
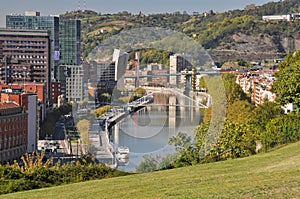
[(64, 36), (69, 42), (107, 75), (33, 21), (71, 78), (178, 63), (26, 56)]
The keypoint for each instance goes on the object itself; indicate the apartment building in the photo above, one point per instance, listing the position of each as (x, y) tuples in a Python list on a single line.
[(25, 56), (13, 131)]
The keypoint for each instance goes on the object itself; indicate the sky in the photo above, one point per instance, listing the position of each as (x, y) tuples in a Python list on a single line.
[(55, 7)]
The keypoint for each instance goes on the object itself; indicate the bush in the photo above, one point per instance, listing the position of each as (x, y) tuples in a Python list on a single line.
[(14, 178)]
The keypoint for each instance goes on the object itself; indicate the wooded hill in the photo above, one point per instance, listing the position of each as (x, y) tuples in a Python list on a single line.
[(227, 36)]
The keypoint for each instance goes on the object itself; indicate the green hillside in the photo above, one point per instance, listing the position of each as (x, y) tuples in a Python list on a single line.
[(227, 35), (268, 175)]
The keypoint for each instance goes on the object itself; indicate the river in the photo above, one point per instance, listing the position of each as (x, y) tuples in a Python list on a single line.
[(148, 131)]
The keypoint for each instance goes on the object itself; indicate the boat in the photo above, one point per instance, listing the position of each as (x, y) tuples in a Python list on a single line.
[(123, 152)]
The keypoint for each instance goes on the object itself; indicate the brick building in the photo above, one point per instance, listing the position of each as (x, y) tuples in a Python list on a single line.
[(29, 104), (13, 131)]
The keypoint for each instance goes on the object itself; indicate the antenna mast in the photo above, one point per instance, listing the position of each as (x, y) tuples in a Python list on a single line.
[(79, 5)]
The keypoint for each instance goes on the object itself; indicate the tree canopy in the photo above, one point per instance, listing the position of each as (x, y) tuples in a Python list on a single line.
[(287, 86)]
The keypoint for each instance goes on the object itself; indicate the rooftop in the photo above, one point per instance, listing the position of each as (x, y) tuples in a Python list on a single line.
[(7, 105)]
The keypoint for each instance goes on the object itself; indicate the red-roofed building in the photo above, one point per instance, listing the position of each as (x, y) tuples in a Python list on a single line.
[(13, 131), (29, 103), (32, 87)]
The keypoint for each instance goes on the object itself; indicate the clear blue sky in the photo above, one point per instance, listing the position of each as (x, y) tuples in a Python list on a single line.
[(47, 7)]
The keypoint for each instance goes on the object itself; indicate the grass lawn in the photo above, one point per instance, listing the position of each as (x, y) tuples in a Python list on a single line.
[(268, 175)]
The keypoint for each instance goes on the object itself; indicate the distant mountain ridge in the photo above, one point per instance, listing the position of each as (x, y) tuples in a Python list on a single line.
[(227, 36)]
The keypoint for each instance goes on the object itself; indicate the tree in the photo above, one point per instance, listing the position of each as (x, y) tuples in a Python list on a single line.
[(181, 141), (240, 110), (262, 114), (149, 164), (106, 97), (101, 110), (83, 127), (202, 83), (287, 86), (235, 141), (282, 130), (233, 90)]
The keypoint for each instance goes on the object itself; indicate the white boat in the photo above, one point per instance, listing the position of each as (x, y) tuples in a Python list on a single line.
[(123, 152)]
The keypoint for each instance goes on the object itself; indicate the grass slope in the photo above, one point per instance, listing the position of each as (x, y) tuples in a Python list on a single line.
[(268, 175)]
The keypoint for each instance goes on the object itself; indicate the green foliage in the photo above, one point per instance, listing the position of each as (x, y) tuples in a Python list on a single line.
[(202, 83), (181, 141), (148, 165), (287, 86), (182, 157), (210, 31), (53, 116), (151, 56), (262, 114), (14, 178), (139, 92), (101, 110), (237, 138), (83, 127), (233, 91), (282, 130), (240, 110)]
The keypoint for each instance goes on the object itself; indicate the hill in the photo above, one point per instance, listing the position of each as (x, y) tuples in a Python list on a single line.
[(227, 36), (268, 175)]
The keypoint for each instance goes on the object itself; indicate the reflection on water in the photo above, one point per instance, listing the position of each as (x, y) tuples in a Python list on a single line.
[(148, 130)]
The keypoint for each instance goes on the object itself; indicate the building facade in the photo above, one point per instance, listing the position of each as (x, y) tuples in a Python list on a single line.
[(26, 56), (178, 63), (29, 103), (69, 42), (31, 87), (33, 21), (64, 35), (259, 87), (55, 88), (71, 78), (13, 132)]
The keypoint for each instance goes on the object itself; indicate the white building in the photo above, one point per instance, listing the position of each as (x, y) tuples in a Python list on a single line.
[(32, 123), (290, 107), (277, 17), (120, 58), (178, 63)]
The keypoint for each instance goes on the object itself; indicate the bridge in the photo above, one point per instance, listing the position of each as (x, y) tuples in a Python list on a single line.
[(141, 101), (100, 131), (111, 119), (176, 74), (177, 92)]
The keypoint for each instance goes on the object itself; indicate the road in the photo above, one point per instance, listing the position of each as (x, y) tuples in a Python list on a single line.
[(101, 146)]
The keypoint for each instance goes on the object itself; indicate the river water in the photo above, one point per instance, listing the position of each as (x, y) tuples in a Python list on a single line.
[(148, 131)]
